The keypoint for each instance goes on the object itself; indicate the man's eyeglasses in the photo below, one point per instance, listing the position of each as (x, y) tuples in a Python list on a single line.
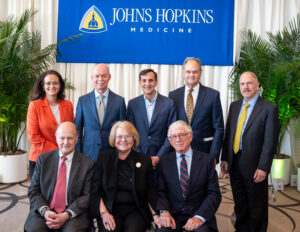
[(180, 136)]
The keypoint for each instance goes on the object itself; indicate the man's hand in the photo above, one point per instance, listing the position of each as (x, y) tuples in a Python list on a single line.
[(259, 175), (108, 221), (155, 161), (166, 220), (156, 221), (224, 167), (193, 224), (55, 221)]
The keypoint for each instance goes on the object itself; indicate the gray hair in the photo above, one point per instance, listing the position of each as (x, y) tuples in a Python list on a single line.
[(250, 73), (197, 60), (180, 123)]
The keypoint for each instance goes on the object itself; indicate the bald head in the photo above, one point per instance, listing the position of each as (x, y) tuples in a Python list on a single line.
[(100, 77), (66, 137)]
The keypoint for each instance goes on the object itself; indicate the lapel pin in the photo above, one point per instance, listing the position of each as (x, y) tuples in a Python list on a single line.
[(138, 164)]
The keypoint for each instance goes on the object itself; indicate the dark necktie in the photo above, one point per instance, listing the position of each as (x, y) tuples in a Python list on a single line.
[(184, 176), (59, 197)]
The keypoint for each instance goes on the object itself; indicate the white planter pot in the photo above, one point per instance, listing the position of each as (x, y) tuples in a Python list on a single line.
[(281, 170), (13, 168)]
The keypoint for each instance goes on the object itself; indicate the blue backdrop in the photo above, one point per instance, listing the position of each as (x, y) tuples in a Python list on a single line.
[(149, 32)]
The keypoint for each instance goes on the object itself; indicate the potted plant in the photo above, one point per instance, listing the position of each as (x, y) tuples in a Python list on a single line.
[(21, 61), (276, 62)]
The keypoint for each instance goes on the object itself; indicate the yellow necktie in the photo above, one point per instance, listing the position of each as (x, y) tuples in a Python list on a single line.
[(238, 132), (189, 106)]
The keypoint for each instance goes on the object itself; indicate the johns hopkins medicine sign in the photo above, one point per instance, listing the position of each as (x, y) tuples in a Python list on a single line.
[(149, 32)]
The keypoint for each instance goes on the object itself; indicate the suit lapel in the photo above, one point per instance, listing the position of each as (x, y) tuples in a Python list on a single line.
[(110, 104), (157, 108), (235, 113), (74, 170), (142, 107), (200, 97), (194, 171), (255, 112), (47, 109), (92, 103), (174, 174), (54, 167)]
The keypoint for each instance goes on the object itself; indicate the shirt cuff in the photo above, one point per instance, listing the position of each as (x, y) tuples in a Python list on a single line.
[(202, 218), (72, 212)]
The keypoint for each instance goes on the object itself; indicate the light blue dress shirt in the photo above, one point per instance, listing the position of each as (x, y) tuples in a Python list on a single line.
[(150, 107), (188, 157), (249, 111)]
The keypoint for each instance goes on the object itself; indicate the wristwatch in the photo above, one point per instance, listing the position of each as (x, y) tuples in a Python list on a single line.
[(43, 211), (69, 213)]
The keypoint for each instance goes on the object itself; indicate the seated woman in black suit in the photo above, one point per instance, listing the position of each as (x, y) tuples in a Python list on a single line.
[(122, 189)]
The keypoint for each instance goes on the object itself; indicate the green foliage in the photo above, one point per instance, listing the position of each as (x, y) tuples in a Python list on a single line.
[(21, 61), (276, 62)]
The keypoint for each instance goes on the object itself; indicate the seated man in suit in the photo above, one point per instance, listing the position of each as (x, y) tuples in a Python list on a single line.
[(96, 112), (188, 189), (151, 114), (59, 192)]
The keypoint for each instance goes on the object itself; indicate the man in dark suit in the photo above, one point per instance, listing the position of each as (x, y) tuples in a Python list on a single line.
[(96, 112), (188, 189), (200, 106), (151, 114), (60, 187), (250, 141)]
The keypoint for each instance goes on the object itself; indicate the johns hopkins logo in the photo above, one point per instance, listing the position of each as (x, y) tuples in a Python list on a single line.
[(93, 21)]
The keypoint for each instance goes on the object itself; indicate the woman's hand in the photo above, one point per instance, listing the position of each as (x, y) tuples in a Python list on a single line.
[(108, 221)]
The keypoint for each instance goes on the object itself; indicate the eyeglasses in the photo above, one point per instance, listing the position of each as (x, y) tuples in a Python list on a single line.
[(180, 136), (124, 137)]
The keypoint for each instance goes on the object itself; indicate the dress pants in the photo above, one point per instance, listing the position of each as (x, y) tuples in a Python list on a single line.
[(180, 221), (250, 199), (127, 218)]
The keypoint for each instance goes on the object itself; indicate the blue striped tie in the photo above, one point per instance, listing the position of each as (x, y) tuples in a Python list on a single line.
[(184, 177)]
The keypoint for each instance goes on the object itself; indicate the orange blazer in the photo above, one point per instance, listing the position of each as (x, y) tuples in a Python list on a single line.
[(41, 125)]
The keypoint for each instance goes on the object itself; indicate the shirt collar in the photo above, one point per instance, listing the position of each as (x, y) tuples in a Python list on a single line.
[(69, 157), (153, 100), (195, 89), (189, 153), (105, 94), (252, 101)]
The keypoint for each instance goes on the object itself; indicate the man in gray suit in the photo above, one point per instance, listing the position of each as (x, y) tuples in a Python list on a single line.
[(250, 141), (60, 187)]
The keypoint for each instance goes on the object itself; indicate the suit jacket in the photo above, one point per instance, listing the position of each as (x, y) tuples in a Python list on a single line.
[(44, 179), (207, 120), (93, 137), (153, 137), (203, 195), (259, 139), (41, 125), (105, 182)]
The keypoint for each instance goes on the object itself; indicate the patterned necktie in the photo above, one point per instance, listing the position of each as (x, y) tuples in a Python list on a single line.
[(239, 128), (189, 106), (59, 197), (101, 109), (184, 176)]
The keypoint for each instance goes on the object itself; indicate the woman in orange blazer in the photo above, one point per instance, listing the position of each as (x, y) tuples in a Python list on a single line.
[(47, 110)]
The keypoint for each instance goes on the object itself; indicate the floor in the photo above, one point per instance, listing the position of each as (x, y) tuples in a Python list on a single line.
[(285, 217)]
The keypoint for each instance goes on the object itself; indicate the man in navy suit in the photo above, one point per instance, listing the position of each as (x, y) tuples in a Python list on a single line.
[(188, 189), (205, 115), (251, 137), (151, 114), (96, 112)]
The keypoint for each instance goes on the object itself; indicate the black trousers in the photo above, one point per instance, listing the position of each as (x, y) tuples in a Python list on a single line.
[(250, 199), (128, 219)]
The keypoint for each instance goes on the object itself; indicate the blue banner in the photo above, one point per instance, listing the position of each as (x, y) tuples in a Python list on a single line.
[(147, 32)]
